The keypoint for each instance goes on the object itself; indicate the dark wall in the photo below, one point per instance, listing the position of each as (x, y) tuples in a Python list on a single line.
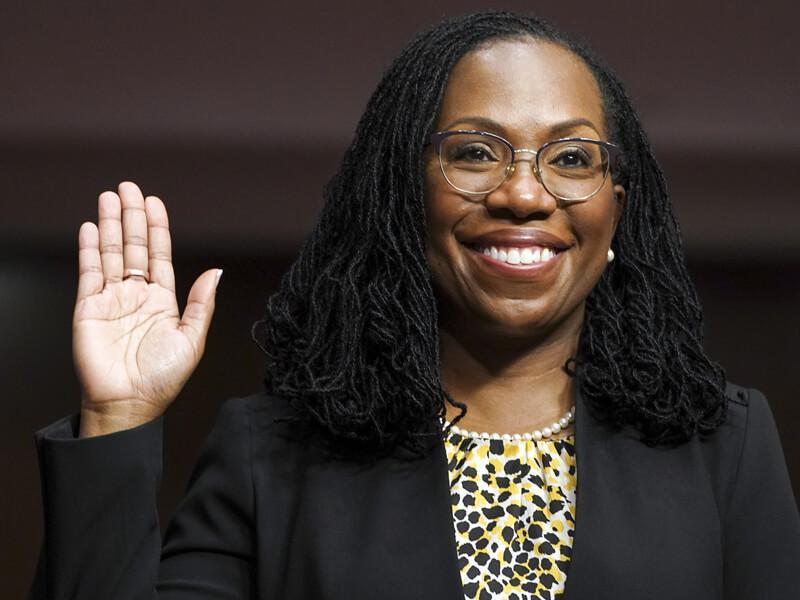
[(236, 115)]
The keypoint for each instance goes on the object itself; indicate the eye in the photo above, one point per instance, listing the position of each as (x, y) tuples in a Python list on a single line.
[(574, 157), (473, 152)]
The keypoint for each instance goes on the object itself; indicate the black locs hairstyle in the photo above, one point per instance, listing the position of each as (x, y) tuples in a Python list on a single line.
[(351, 336)]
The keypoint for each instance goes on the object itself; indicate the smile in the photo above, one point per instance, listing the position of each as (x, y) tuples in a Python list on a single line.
[(527, 255), (512, 262)]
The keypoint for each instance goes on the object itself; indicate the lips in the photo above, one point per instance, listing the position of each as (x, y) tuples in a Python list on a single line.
[(517, 253), (517, 238)]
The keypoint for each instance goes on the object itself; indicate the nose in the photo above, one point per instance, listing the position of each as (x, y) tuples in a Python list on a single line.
[(522, 192)]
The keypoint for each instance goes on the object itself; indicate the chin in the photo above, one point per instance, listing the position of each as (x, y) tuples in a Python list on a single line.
[(531, 322), (525, 330)]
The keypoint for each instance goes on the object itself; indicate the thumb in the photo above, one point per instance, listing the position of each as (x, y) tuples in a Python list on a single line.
[(200, 308)]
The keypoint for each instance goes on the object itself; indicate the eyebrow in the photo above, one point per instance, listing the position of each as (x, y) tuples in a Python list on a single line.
[(554, 130)]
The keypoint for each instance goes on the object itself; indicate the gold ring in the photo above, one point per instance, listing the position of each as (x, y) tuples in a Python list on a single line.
[(135, 273)]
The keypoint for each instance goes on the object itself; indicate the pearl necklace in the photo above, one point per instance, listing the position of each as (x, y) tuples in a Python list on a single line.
[(537, 435)]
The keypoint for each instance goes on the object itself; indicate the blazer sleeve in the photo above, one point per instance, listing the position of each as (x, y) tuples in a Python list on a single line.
[(761, 525), (101, 530)]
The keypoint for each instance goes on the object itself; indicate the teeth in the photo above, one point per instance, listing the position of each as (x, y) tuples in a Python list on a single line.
[(516, 256)]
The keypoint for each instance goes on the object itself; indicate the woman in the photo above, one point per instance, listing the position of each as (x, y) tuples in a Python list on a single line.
[(496, 254)]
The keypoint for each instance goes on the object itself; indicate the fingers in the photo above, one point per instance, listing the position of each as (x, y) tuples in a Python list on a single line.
[(133, 233), (159, 243), (200, 308), (90, 267), (134, 227), (109, 224)]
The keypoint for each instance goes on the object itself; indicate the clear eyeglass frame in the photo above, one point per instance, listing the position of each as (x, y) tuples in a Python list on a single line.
[(613, 152)]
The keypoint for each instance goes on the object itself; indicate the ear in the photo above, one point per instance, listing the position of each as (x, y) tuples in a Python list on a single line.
[(620, 196)]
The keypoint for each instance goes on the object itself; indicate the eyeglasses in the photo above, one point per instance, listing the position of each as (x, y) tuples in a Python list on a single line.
[(478, 162)]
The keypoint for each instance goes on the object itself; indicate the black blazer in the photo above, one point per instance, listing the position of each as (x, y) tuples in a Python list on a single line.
[(268, 516)]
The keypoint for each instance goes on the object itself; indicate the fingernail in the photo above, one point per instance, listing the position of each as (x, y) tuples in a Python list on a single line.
[(219, 274)]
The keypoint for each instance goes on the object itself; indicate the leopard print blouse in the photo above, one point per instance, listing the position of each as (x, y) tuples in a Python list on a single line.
[(514, 515)]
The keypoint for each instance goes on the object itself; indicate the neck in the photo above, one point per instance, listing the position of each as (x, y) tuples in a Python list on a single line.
[(508, 386)]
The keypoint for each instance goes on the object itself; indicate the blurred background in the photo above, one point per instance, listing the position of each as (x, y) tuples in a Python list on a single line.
[(236, 115)]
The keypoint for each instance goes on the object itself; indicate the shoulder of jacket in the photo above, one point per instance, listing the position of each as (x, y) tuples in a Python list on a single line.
[(740, 402), (259, 406), (737, 394), (268, 420), (723, 448), (745, 405)]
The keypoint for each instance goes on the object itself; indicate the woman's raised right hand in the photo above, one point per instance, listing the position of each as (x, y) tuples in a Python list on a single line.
[(133, 351)]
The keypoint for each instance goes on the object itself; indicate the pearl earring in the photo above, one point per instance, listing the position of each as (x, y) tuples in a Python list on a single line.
[(610, 255)]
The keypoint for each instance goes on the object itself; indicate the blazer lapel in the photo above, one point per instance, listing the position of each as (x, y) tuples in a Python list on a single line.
[(331, 527), (582, 578), (646, 525)]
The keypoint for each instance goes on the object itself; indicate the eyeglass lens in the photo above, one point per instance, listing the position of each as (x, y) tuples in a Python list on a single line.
[(479, 163)]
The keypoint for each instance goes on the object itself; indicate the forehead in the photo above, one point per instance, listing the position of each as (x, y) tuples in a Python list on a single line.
[(527, 86)]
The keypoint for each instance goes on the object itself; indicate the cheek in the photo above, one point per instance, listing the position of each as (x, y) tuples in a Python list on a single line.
[(440, 244), (593, 227), (444, 211), (593, 223)]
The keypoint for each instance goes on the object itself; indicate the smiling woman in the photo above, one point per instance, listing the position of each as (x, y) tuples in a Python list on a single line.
[(485, 375), (562, 210)]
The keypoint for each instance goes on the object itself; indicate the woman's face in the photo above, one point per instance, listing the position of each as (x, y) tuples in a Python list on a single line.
[(528, 92)]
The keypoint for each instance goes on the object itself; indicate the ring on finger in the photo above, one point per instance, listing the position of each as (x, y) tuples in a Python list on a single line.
[(136, 273)]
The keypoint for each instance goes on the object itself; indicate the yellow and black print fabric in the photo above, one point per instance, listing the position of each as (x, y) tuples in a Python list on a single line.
[(514, 515)]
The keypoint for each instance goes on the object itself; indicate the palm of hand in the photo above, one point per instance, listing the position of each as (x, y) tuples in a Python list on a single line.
[(133, 351), (128, 344)]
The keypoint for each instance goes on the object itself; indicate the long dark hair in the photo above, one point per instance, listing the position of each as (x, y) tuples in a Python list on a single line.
[(351, 336)]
